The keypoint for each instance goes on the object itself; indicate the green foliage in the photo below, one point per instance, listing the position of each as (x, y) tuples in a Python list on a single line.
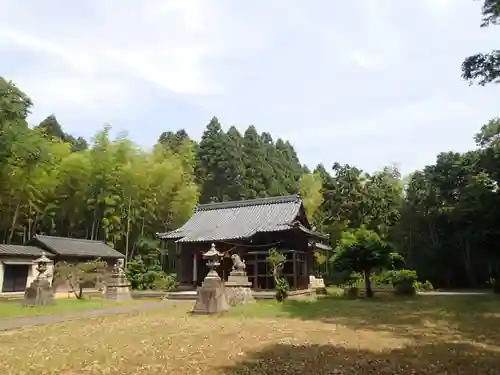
[(144, 276), (363, 251), (134, 271), (166, 282), (423, 287), (277, 260), (400, 276), (351, 280), (80, 275), (402, 280), (484, 68), (311, 192), (282, 288)]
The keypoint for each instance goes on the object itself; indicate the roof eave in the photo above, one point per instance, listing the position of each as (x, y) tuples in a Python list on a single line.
[(170, 235), (313, 233)]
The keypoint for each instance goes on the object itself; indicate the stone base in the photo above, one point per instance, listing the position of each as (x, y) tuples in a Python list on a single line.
[(118, 292), (211, 297), (39, 293), (239, 295), (238, 280), (317, 284), (238, 289)]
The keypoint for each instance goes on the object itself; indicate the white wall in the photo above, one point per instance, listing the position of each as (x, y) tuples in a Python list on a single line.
[(32, 273), (1, 276)]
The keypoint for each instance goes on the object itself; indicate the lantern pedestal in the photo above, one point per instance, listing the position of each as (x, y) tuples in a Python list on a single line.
[(118, 287), (40, 292), (212, 298)]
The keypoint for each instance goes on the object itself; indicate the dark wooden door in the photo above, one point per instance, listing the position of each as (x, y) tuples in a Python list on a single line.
[(15, 277)]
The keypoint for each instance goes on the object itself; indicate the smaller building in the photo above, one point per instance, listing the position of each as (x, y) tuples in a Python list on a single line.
[(75, 250), (17, 270), (16, 261)]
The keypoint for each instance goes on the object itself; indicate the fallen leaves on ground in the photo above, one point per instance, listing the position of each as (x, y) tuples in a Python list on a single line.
[(170, 341)]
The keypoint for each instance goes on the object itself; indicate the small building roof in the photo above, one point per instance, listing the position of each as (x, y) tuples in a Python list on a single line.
[(75, 247), (22, 250), (241, 219)]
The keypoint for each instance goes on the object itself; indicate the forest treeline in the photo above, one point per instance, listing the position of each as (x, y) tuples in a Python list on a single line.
[(443, 219)]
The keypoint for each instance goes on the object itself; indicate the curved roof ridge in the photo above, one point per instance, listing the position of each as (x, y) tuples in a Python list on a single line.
[(248, 202)]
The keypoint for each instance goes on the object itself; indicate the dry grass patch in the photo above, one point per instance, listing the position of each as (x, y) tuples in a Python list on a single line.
[(263, 339), (15, 309)]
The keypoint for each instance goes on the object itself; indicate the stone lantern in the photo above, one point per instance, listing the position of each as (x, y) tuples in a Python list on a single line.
[(213, 257), (40, 291), (42, 266), (118, 287), (212, 298)]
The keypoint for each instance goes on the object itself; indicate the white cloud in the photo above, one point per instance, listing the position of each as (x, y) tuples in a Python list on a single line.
[(165, 43), (360, 72)]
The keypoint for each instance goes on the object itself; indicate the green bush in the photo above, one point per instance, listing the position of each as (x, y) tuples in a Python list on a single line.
[(166, 282), (282, 289), (424, 287), (403, 281), (351, 280), (428, 286), (144, 277), (401, 276)]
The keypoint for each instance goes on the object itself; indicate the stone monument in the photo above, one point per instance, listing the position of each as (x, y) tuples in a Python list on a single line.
[(212, 298), (237, 285), (118, 287), (317, 285), (40, 291)]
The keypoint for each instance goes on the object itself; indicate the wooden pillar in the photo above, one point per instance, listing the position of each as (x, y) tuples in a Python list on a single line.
[(195, 268), (294, 257), (255, 273)]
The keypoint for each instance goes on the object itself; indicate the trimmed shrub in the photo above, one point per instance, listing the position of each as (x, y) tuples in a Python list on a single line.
[(282, 289)]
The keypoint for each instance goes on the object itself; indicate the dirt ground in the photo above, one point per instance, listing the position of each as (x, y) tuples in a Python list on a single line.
[(265, 339)]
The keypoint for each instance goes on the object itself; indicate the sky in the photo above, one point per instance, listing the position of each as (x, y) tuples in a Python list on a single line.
[(367, 83)]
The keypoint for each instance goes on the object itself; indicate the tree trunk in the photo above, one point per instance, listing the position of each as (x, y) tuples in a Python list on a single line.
[(368, 285), (128, 231), (79, 294), (13, 226), (468, 265)]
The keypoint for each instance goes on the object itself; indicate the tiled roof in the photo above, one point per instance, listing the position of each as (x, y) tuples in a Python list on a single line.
[(21, 250), (77, 247), (238, 219)]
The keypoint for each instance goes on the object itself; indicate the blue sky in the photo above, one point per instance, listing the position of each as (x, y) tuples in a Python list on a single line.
[(363, 82)]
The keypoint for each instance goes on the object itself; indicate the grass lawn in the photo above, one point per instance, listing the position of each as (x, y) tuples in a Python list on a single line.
[(15, 309), (424, 335)]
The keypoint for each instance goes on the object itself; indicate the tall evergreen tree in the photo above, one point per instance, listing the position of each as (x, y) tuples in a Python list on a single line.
[(235, 168), (51, 127), (255, 164), (212, 163), (273, 170), (290, 165)]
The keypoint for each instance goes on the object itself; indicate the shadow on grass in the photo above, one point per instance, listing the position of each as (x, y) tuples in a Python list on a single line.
[(475, 317), (431, 317), (437, 359)]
